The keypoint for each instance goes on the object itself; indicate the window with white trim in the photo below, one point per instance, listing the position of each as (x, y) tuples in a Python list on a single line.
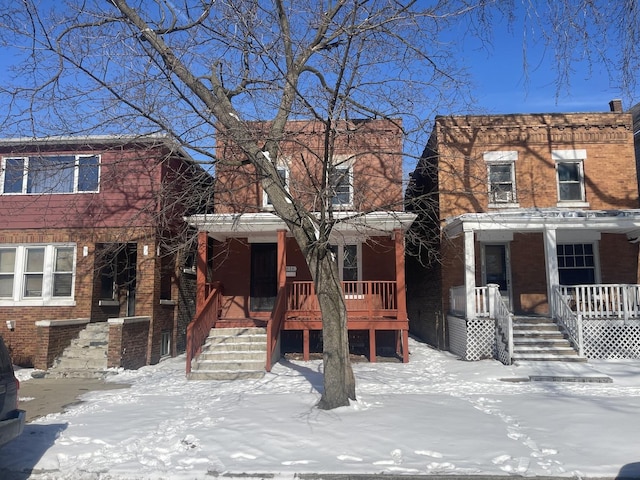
[(570, 175), (341, 181), (283, 173), (50, 174), (501, 177), (37, 273), (576, 264)]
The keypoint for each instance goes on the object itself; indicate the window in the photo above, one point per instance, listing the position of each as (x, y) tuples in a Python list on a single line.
[(7, 269), (501, 176), (349, 266), (576, 264), (165, 343), (37, 274), (341, 182), (283, 173), (570, 174), (51, 174)]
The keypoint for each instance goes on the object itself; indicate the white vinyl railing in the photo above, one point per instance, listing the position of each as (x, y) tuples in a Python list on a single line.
[(567, 318), (458, 301), (612, 301), (504, 324)]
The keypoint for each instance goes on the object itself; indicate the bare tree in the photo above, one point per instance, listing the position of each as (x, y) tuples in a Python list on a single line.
[(194, 67)]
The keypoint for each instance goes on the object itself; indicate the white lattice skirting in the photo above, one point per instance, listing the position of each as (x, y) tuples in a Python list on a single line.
[(472, 339), (611, 339)]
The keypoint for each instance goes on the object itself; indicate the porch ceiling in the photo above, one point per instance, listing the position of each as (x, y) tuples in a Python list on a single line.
[(623, 222), (265, 225)]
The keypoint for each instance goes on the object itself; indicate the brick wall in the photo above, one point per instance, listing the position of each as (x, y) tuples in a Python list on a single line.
[(128, 342), (53, 337)]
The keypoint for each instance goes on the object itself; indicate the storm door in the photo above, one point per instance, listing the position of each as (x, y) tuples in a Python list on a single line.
[(496, 269), (264, 276)]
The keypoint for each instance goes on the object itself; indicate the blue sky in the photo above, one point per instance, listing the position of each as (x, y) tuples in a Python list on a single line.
[(501, 85)]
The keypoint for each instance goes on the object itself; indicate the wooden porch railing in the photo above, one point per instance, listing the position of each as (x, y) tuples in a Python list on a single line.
[(570, 321), (274, 325), (613, 301), (198, 330), (366, 298), (458, 301)]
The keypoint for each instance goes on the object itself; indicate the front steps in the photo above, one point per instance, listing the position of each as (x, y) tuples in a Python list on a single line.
[(86, 356), (541, 339), (232, 354)]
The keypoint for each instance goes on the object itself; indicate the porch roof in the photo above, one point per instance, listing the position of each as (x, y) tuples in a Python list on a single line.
[(265, 225), (625, 222)]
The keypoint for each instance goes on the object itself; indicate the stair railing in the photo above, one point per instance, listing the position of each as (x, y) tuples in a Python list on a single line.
[(274, 325), (570, 321), (198, 330), (499, 311)]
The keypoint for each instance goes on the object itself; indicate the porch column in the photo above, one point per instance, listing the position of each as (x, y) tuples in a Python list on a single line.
[(201, 270), (470, 273), (401, 291), (551, 262), (282, 258)]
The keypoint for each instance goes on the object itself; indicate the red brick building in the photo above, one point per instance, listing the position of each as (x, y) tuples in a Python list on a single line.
[(254, 263), (544, 207), (90, 229)]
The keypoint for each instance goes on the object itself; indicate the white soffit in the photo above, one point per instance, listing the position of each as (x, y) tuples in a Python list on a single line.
[(264, 225)]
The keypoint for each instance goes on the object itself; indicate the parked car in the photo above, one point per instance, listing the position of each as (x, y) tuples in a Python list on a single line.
[(11, 418)]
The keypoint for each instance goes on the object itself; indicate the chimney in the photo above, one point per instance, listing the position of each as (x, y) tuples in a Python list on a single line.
[(616, 105)]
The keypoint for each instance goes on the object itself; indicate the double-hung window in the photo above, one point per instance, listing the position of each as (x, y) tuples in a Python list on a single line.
[(576, 264), (501, 177), (43, 274), (570, 176), (283, 174), (341, 182), (50, 174)]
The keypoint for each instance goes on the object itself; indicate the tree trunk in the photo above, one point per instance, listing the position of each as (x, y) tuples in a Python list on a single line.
[(339, 382)]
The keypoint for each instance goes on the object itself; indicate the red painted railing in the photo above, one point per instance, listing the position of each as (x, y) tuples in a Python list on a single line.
[(275, 324), (371, 298), (198, 330)]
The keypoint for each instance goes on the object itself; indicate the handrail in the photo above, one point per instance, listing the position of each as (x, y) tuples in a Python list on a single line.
[(274, 324), (620, 301), (198, 330), (504, 323), (569, 320)]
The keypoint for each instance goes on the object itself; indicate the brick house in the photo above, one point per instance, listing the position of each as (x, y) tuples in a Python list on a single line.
[(90, 232), (251, 272), (537, 223)]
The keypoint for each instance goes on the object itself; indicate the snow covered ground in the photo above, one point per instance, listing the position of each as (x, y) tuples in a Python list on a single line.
[(435, 415)]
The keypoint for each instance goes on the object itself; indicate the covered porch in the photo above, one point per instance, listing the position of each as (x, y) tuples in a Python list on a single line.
[(579, 268), (250, 272)]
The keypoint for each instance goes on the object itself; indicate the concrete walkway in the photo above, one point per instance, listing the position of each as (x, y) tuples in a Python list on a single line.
[(42, 396)]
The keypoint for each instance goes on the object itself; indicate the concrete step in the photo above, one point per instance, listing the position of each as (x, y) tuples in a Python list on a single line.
[(230, 354), (80, 363), (547, 357), (229, 365), (241, 355), (225, 375)]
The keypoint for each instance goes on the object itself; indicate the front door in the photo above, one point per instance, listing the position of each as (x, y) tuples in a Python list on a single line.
[(264, 276), (496, 269)]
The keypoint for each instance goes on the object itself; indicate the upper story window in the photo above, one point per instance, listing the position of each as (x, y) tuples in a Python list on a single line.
[(501, 177), (341, 181), (37, 274), (50, 174), (570, 176), (283, 173)]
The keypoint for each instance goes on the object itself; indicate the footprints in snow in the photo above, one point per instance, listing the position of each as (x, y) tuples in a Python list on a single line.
[(519, 465)]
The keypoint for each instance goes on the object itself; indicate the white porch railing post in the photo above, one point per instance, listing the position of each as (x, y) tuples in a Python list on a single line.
[(470, 274), (492, 292), (625, 303)]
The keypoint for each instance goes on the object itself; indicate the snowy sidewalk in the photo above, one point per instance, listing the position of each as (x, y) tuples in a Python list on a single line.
[(435, 415)]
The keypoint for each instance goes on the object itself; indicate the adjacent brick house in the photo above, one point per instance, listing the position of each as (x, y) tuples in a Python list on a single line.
[(253, 261), (90, 229), (544, 207)]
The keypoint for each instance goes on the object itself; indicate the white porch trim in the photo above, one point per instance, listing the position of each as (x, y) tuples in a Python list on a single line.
[(265, 225)]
